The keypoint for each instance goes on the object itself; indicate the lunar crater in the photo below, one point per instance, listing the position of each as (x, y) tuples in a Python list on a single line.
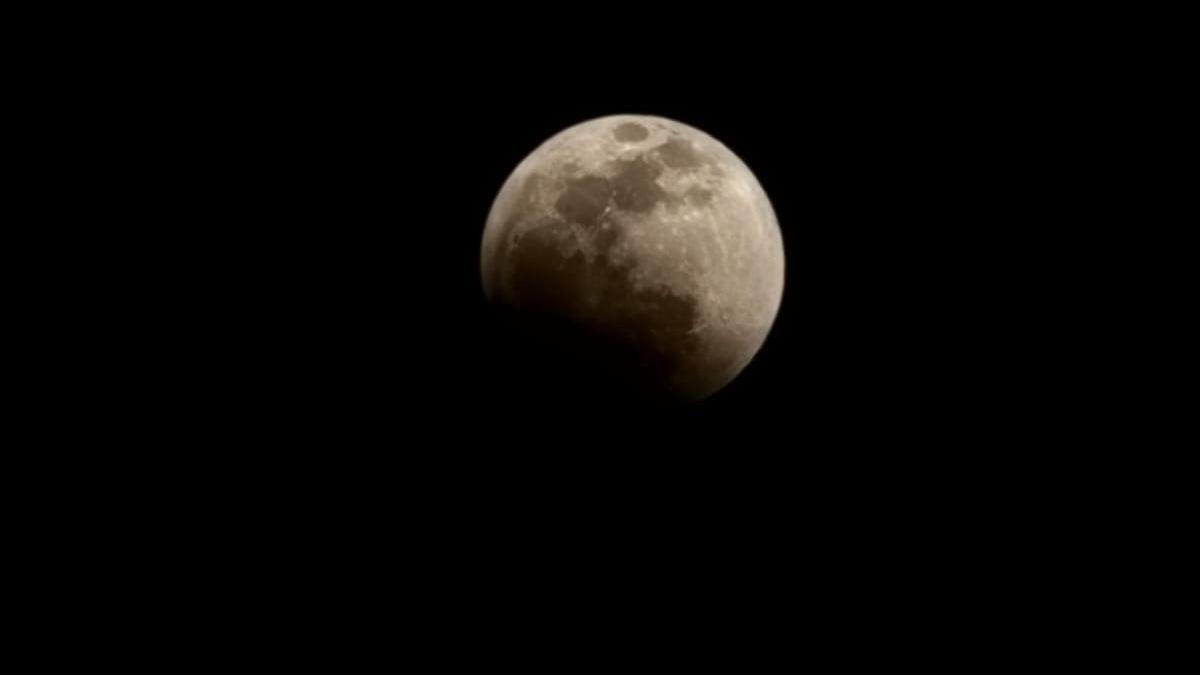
[(678, 154), (630, 132)]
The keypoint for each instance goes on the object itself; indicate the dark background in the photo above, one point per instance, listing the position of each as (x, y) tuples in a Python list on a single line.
[(913, 356), (910, 187), (901, 443), (273, 414)]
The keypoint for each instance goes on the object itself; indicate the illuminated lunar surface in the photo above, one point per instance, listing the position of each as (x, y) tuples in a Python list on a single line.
[(643, 246)]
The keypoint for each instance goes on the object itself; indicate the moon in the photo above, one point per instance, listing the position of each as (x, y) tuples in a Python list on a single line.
[(642, 246)]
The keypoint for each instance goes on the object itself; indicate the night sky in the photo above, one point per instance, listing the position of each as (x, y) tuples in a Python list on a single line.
[(362, 183), (890, 190), (356, 382)]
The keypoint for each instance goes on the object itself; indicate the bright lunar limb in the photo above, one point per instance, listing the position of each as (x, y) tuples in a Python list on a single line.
[(645, 243)]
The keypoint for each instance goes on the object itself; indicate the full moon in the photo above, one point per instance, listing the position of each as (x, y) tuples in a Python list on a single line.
[(642, 246)]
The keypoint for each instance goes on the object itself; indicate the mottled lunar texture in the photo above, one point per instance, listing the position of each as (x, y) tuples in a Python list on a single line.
[(645, 245)]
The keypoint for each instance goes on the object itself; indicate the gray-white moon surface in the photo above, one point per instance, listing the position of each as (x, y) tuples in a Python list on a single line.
[(645, 242)]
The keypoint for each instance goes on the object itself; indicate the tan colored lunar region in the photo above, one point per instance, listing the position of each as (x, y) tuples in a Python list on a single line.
[(644, 247)]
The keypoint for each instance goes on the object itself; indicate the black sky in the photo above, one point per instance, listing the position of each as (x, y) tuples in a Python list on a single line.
[(898, 186), (914, 351), (334, 390), (352, 179)]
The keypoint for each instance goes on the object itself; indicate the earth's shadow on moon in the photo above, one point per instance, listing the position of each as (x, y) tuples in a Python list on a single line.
[(561, 367)]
